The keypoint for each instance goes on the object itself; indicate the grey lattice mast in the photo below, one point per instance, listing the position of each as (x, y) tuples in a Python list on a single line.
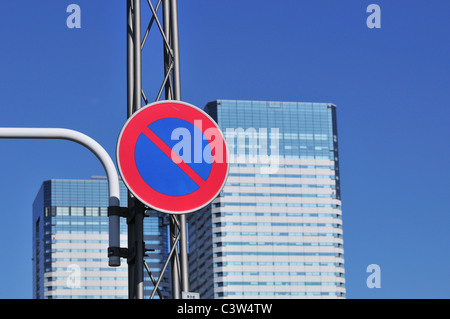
[(170, 85)]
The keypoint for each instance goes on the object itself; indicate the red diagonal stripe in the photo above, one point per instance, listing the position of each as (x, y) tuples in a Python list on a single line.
[(174, 157)]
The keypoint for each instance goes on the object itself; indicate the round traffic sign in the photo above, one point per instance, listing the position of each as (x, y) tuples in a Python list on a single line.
[(173, 157)]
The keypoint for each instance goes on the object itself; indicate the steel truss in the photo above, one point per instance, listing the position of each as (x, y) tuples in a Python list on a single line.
[(170, 86)]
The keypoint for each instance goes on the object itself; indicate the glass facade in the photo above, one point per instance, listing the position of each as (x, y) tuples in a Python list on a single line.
[(276, 228), (70, 242)]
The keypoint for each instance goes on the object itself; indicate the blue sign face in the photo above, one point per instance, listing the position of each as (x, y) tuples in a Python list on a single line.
[(159, 171)]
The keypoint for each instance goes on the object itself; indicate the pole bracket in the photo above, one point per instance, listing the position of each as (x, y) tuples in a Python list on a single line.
[(118, 252), (118, 211)]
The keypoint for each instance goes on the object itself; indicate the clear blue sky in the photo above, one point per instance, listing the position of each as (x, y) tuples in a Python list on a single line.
[(391, 86)]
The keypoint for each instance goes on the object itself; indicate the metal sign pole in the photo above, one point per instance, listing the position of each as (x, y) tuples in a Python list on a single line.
[(171, 85), (135, 219)]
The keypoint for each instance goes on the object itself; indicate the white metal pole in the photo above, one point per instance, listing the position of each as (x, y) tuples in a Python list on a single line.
[(99, 152)]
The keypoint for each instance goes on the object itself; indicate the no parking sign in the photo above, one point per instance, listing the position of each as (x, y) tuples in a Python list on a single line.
[(173, 157)]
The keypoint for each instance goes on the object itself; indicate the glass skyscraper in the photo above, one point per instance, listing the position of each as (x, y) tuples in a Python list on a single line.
[(275, 231), (70, 242)]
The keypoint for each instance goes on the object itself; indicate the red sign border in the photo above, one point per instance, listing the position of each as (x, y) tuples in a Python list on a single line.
[(126, 144)]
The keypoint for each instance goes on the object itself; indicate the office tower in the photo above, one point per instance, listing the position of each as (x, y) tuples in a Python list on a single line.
[(275, 231), (70, 242)]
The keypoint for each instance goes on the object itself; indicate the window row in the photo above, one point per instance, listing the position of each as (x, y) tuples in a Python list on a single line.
[(333, 186), (223, 204), (52, 288), (278, 293), (275, 253), (277, 273), (279, 283), (290, 234), (258, 243), (223, 214), (278, 263), (55, 278), (279, 195), (283, 175), (273, 224), (76, 211)]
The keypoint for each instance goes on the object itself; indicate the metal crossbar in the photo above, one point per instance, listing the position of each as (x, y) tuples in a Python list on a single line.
[(150, 23)]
